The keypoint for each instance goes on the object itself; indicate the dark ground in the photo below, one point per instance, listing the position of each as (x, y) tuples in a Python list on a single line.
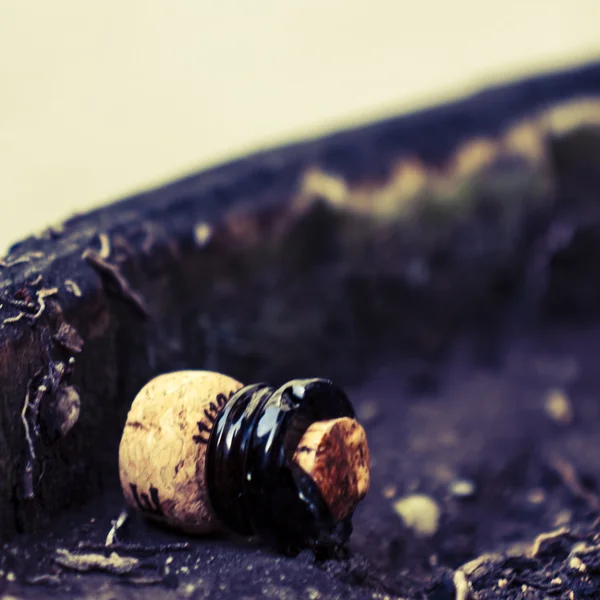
[(428, 425)]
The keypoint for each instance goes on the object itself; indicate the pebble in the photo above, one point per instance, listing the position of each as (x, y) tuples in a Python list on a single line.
[(389, 491), (577, 564), (462, 488), (420, 513), (558, 407), (563, 517), (536, 496), (202, 234)]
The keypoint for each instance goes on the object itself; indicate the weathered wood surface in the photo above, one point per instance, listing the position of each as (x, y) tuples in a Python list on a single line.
[(95, 307)]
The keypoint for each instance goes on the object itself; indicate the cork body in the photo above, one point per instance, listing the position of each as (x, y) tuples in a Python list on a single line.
[(162, 454)]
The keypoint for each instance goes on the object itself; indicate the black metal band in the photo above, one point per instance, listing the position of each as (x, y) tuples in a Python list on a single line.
[(253, 486)]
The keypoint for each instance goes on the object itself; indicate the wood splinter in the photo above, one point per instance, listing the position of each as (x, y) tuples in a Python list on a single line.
[(201, 452)]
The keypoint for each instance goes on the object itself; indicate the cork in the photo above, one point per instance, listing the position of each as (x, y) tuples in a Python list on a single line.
[(162, 454), (335, 455)]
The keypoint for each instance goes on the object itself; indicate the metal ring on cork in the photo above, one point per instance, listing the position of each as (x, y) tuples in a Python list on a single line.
[(202, 452), (253, 485)]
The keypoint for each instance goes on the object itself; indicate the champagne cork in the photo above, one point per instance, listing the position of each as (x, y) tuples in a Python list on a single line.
[(202, 452), (162, 454)]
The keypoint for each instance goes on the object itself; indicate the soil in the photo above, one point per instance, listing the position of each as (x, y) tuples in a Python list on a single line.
[(470, 416)]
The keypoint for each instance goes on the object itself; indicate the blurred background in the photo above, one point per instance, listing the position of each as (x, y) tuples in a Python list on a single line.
[(101, 99)]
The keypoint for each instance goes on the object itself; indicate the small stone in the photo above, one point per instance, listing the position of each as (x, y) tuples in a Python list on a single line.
[(556, 581), (502, 583), (389, 491), (313, 594), (11, 577), (558, 407), (577, 564), (579, 548), (202, 234), (536, 496), (420, 513), (462, 488)]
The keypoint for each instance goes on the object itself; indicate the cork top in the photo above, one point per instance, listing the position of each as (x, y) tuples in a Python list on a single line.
[(335, 455)]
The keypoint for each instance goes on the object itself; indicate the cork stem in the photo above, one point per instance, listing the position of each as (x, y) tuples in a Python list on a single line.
[(335, 455)]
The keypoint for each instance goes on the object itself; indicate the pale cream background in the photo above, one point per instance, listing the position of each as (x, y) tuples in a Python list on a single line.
[(101, 98)]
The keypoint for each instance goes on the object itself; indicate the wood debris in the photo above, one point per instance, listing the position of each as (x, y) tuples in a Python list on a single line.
[(133, 548), (119, 565), (104, 251), (96, 260), (7, 264), (41, 298), (117, 524), (26, 307), (542, 540), (68, 337), (27, 409), (44, 579), (73, 288)]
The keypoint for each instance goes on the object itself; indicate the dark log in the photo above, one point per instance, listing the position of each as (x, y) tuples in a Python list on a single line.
[(214, 271)]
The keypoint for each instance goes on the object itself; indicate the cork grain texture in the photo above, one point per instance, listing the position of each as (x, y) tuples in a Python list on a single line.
[(335, 454), (162, 455)]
